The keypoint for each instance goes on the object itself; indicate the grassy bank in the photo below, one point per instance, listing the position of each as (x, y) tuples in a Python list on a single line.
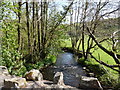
[(107, 76)]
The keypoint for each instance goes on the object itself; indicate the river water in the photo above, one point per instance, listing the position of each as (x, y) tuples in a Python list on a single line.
[(67, 64)]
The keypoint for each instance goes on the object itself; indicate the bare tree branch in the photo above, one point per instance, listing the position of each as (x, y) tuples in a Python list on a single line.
[(109, 13), (101, 42), (64, 15), (103, 48), (103, 63)]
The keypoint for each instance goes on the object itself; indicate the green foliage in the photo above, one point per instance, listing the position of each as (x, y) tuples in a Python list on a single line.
[(31, 66), (9, 44), (50, 59), (117, 87), (40, 64), (10, 55), (109, 79), (19, 69), (96, 68)]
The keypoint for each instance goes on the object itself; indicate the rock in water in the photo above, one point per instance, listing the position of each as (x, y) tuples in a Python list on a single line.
[(34, 75), (90, 82), (17, 82), (4, 70), (58, 78)]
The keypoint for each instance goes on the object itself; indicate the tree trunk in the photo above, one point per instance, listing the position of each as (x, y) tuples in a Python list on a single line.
[(28, 28), (42, 53), (38, 27), (34, 30), (19, 21), (83, 29)]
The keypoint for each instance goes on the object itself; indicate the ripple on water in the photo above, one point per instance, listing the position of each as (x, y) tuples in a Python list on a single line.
[(67, 64)]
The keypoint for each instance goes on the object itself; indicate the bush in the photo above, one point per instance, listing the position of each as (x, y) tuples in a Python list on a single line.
[(109, 80), (49, 60), (19, 71), (117, 87)]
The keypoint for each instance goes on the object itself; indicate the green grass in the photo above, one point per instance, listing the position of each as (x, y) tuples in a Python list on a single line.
[(111, 76), (66, 43), (103, 56)]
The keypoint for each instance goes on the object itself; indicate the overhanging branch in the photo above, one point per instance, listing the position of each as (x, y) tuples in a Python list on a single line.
[(112, 54), (103, 63)]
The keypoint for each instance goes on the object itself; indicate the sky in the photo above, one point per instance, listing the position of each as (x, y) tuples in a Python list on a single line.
[(61, 3), (109, 8)]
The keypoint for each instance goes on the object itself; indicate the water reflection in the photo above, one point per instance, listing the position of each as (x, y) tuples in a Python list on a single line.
[(65, 59)]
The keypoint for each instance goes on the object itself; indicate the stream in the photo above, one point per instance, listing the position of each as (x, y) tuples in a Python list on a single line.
[(67, 64)]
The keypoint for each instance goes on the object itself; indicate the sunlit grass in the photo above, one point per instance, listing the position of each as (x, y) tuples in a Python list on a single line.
[(101, 55), (66, 43), (98, 53)]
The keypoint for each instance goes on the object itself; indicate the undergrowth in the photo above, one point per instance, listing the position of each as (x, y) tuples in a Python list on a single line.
[(107, 77)]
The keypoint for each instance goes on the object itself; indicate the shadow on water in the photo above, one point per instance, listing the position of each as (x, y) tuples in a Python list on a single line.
[(67, 64)]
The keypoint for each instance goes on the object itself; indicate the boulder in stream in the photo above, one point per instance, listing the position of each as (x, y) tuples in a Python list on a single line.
[(90, 82), (58, 78), (34, 75)]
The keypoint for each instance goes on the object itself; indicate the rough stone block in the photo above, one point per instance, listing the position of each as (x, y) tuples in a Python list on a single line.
[(90, 82), (58, 78), (34, 75), (15, 83), (4, 70)]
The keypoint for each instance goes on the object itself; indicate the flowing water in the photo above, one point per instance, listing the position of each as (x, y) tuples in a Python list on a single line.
[(67, 64)]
